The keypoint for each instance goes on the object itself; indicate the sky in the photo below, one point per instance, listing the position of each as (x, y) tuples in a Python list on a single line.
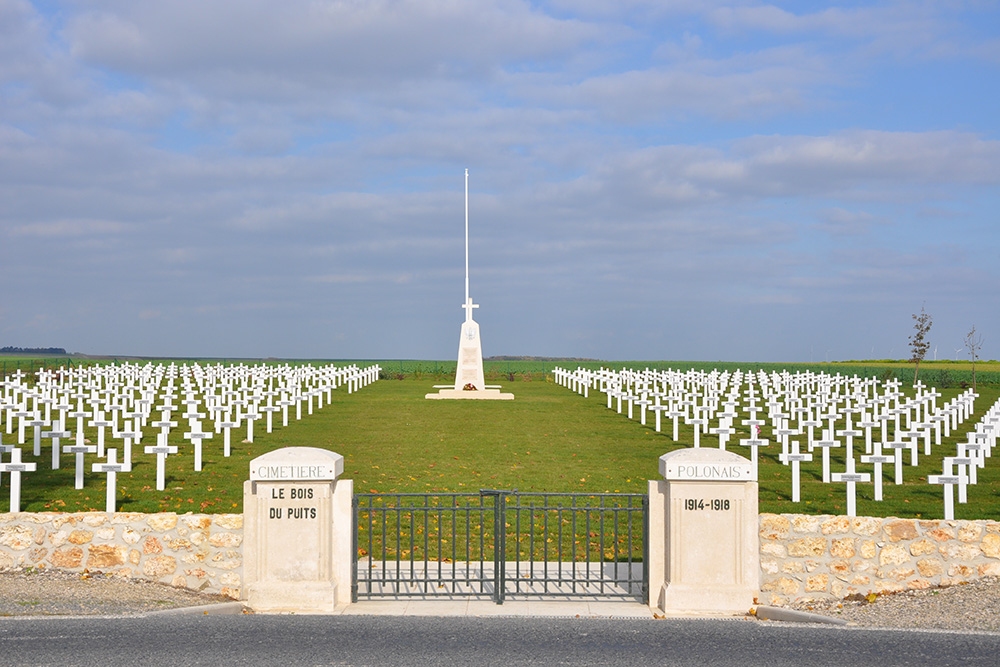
[(648, 180)]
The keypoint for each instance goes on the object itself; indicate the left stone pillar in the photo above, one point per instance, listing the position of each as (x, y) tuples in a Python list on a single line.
[(297, 531)]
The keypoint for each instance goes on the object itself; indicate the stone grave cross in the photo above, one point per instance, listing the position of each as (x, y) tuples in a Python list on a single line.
[(15, 467), (796, 458), (80, 449), (826, 445), (111, 468), (162, 449), (878, 459), (851, 478), (196, 436), (949, 480)]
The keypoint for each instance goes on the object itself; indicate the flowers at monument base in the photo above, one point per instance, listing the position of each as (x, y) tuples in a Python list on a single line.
[(469, 387)]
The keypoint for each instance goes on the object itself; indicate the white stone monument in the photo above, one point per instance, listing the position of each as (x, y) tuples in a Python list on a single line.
[(297, 531), (704, 552), (470, 383)]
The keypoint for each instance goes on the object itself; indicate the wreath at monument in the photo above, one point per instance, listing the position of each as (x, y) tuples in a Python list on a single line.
[(469, 387)]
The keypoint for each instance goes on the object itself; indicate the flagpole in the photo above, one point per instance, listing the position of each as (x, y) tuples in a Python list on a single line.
[(467, 237)]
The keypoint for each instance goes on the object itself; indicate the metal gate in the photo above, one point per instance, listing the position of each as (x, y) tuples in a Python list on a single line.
[(499, 544)]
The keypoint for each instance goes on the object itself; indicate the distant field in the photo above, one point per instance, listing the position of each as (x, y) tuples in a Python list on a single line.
[(547, 439)]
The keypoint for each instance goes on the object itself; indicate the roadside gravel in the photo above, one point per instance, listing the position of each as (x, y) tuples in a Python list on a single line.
[(58, 593), (971, 607)]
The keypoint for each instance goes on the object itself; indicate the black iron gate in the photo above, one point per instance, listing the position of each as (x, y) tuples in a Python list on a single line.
[(499, 544)]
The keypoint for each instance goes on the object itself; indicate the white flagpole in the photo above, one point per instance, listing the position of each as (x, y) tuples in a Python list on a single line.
[(467, 238)]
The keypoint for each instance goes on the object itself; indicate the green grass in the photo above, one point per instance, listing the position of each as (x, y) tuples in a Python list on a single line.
[(547, 439)]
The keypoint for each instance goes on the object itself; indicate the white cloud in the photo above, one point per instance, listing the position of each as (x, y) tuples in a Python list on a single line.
[(69, 228), (658, 162), (305, 43), (842, 222)]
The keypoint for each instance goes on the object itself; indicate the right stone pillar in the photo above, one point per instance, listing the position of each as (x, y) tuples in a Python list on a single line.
[(703, 538)]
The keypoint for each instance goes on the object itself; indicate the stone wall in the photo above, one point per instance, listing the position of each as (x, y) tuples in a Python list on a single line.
[(806, 557), (802, 557), (202, 552)]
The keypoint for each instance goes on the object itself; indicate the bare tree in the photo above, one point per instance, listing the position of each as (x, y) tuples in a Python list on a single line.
[(918, 341), (973, 343)]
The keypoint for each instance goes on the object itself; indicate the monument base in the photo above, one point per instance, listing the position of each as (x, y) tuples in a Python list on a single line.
[(705, 599), (300, 597), (479, 395)]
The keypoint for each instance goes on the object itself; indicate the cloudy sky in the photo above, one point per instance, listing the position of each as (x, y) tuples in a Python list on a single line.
[(649, 179)]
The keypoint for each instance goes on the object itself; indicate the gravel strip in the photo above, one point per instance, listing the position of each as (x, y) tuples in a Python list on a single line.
[(57, 593), (972, 607)]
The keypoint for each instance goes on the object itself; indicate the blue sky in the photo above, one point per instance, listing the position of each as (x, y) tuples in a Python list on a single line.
[(681, 180)]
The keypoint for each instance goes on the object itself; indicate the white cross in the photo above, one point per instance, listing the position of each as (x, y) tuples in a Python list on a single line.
[(195, 435), (161, 449), (642, 403), (849, 433), (78, 415), (723, 434), (165, 424), (826, 445), (468, 306), (79, 449), (284, 403), (15, 467), (975, 451), (226, 426), (852, 478), (37, 424), (101, 424), (111, 468), (810, 424), (795, 458), (697, 430), (56, 436), (250, 418), (674, 414), (269, 410), (949, 481), (658, 410), (914, 449), (878, 458), (963, 463), (754, 444), (22, 415)]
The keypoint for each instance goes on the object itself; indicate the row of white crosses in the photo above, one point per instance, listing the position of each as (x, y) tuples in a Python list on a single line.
[(125, 400), (809, 405), (962, 469)]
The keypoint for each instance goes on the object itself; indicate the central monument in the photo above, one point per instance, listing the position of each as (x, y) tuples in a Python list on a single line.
[(470, 382)]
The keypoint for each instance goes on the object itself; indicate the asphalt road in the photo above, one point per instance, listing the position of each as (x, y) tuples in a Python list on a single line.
[(382, 640)]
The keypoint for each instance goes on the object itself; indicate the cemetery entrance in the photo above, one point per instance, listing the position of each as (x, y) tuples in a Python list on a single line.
[(500, 545)]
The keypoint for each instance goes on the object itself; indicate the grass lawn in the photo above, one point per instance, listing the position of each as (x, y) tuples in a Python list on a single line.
[(547, 439)]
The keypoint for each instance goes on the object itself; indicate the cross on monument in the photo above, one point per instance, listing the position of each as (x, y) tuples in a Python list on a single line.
[(468, 305)]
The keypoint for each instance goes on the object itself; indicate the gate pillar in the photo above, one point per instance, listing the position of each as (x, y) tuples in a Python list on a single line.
[(703, 535), (297, 531)]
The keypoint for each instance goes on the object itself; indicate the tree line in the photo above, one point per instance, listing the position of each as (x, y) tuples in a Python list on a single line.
[(10, 349)]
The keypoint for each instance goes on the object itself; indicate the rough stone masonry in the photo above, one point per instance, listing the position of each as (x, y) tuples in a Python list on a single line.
[(802, 557), (202, 552), (805, 557)]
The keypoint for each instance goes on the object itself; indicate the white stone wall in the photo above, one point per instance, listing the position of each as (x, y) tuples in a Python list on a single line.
[(202, 552), (805, 557)]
